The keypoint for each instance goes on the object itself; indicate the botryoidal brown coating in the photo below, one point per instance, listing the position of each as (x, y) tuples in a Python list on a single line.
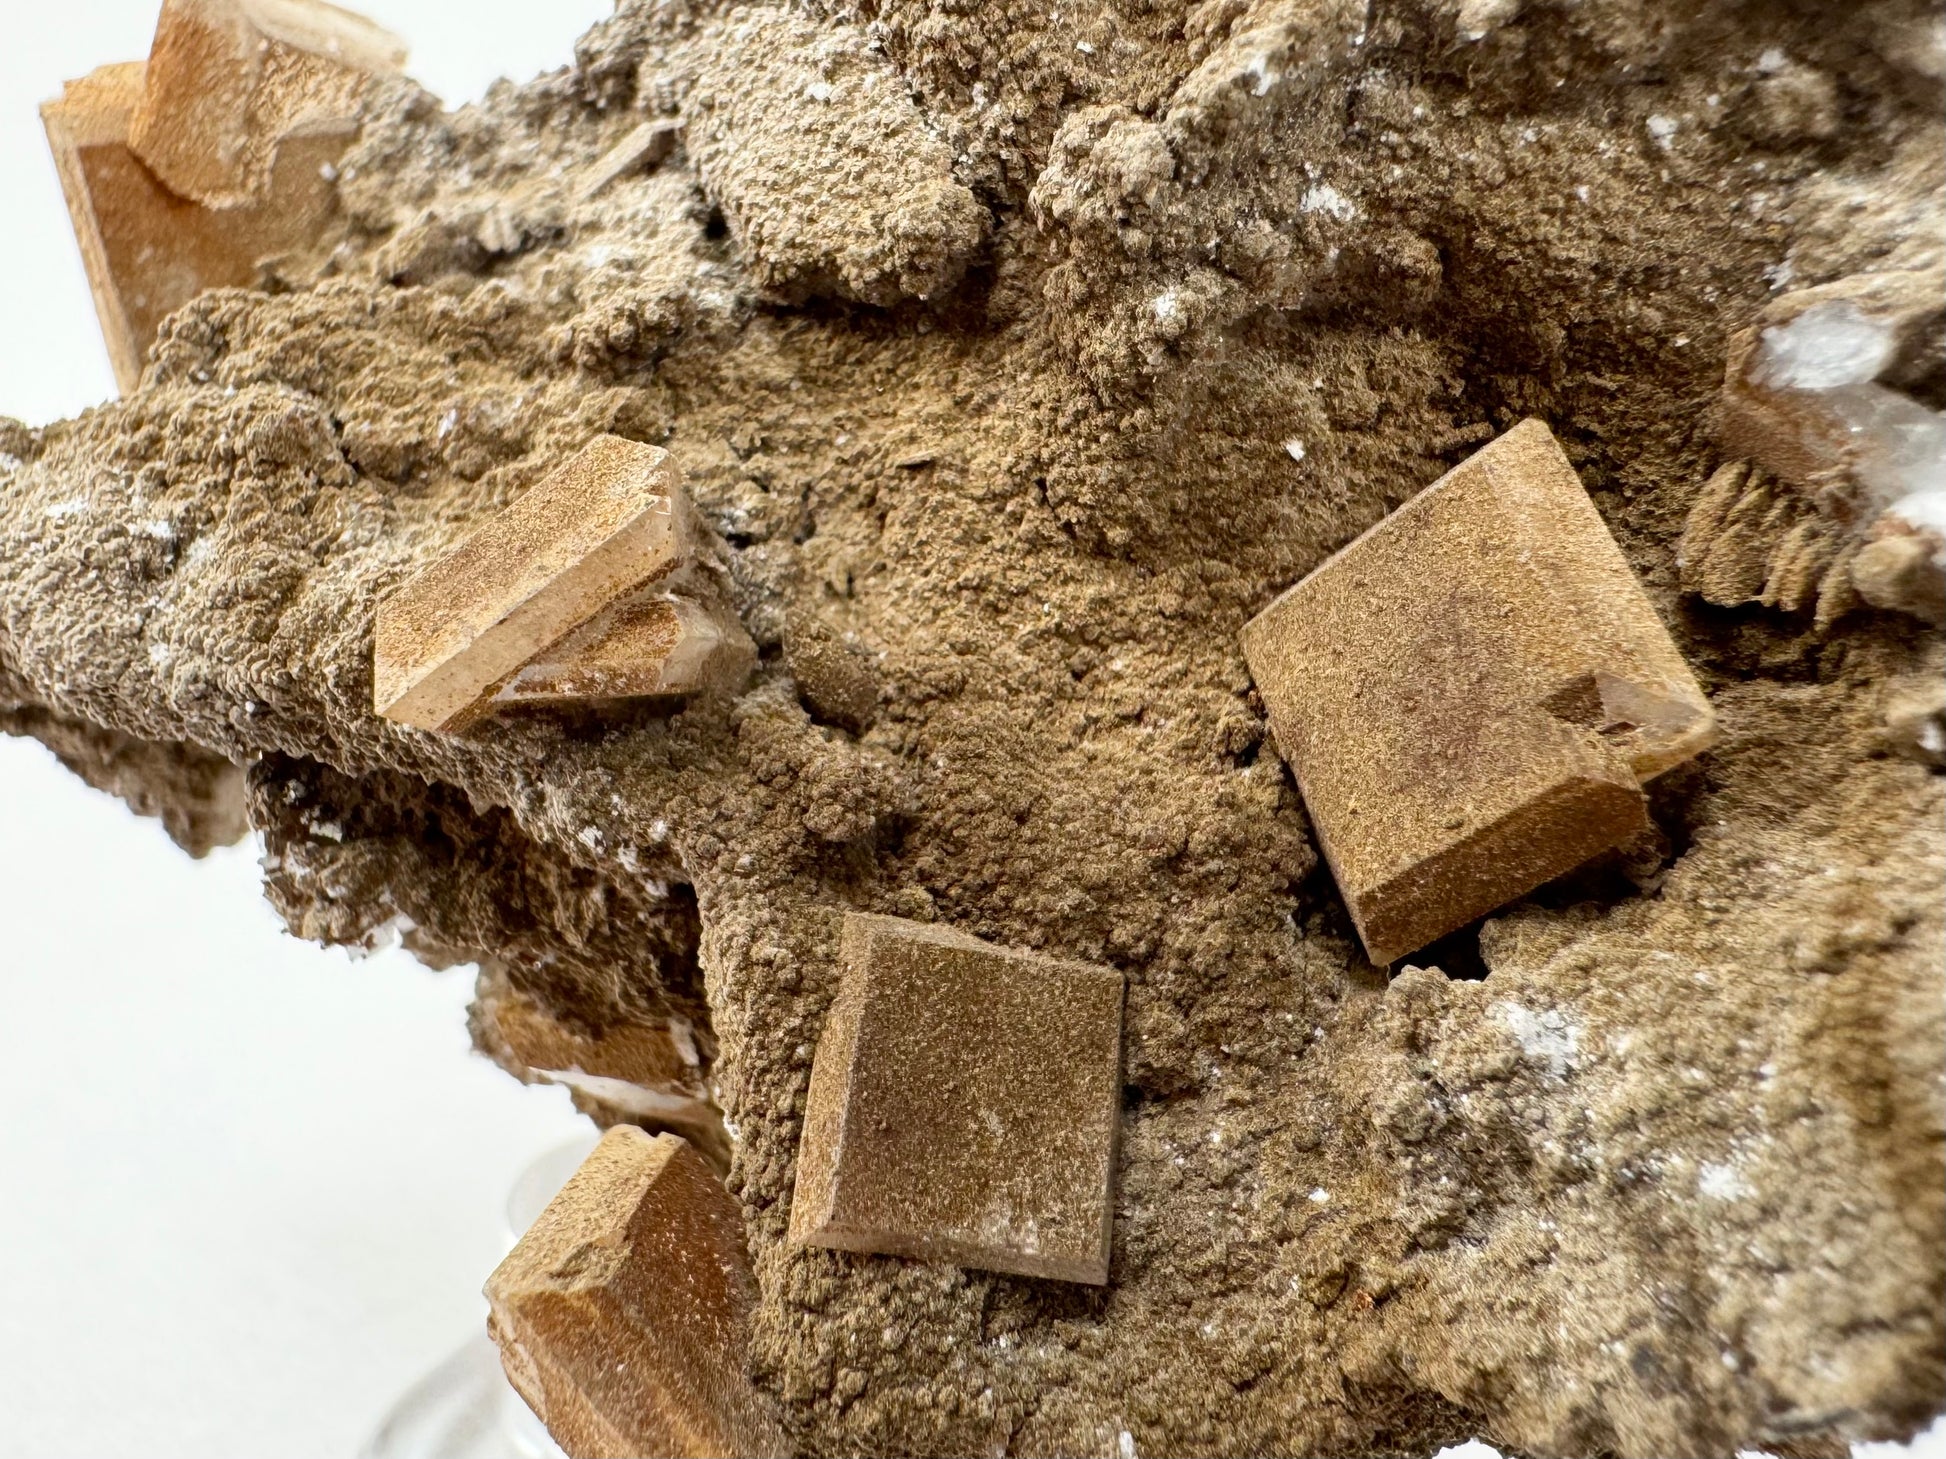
[(1667, 1181)]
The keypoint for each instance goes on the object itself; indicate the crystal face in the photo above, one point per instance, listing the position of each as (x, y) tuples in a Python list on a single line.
[(1471, 695)]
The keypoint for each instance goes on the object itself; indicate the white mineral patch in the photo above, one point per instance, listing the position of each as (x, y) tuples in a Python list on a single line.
[(1324, 198), (382, 938), (632, 1099), (1295, 449), (682, 1033), (1905, 444), (1549, 1037), (1923, 509), (1830, 344), (1721, 1182), (1662, 128), (1167, 306), (1477, 19), (1898, 446)]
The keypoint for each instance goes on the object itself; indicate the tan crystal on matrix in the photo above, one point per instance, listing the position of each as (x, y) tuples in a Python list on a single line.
[(189, 171), (232, 81), (1472, 693), (646, 646), (1054, 360), (147, 251), (623, 1313), (964, 1105), (552, 599)]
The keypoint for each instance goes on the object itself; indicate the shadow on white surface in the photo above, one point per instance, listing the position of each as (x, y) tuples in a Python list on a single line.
[(465, 1408)]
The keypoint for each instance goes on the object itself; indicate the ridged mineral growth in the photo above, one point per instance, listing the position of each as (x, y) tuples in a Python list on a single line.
[(1019, 355)]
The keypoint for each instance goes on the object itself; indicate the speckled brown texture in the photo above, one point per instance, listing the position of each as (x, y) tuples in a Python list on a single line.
[(783, 114), (623, 1313), (835, 678), (1687, 1103), (1469, 693), (607, 523), (964, 1105), (231, 82)]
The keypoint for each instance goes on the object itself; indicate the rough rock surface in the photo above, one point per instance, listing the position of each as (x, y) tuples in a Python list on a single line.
[(1249, 273)]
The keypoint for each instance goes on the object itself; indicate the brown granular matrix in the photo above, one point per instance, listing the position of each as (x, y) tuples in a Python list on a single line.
[(1020, 354)]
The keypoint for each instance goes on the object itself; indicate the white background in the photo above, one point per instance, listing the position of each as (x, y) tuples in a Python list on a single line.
[(248, 1188)]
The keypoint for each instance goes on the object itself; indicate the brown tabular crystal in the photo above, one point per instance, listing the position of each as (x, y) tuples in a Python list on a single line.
[(623, 1313), (1471, 693), (964, 1105), (231, 82), (646, 646), (536, 580), (189, 171), (147, 251)]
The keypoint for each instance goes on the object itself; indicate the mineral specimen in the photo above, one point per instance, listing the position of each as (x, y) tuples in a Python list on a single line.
[(623, 1313), (1817, 395), (546, 600), (964, 1105), (1471, 693), (1018, 355), (147, 251)]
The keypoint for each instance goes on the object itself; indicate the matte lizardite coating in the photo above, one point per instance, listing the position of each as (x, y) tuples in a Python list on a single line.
[(1472, 693), (623, 1314), (964, 1105), (611, 521)]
